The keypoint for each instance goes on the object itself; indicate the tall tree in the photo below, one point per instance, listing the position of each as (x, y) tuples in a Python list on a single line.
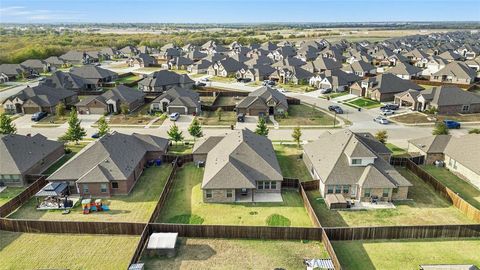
[(441, 129), (60, 109), (297, 135), (195, 129), (262, 128), (219, 112), (103, 127), (6, 125), (74, 132), (175, 134), (382, 136)]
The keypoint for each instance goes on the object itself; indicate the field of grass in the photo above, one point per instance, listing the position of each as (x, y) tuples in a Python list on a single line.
[(211, 118), (425, 207), (396, 151), (455, 183), (304, 115), (65, 251), (185, 204), (406, 254), (135, 207), (128, 79), (75, 148), (198, 253), (364, 103), (178, 149), (10, 193), (290, 162)]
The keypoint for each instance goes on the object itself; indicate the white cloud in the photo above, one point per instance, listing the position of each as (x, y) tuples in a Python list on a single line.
[(24, 14)]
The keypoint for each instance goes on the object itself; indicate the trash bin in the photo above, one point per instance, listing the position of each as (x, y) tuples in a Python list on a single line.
[(158, 162), (359, 109)]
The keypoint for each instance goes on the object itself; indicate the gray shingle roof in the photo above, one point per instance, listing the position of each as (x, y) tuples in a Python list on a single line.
[(92, 72), (389, 83), (449, 95), (457, 69), (164, 78), (43, 95)]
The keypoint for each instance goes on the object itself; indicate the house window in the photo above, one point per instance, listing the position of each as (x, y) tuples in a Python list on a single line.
[(367, 192), (260, 185), (356, 161), (85, 188), (385, 192), (346, 189), (266, 185), (338, 189), (103, 188), (329, 189), (114, 184), (208, 193), (229, 193), (273, 185), (395, 190), (465, 108)]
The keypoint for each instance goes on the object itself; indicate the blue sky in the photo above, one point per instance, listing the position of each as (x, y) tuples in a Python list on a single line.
[(236, 11)]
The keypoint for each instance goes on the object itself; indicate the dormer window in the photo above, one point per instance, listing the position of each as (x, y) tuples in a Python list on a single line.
[(356, 161)]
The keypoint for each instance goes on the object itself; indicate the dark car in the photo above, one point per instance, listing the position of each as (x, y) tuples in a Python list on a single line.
[(38, 116), (451, 124), (241, 117), (268, 83), (200, 84), (244, 80), (392, 107), (336, 109), (95, 135)]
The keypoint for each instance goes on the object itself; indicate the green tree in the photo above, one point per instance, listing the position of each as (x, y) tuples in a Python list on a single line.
[(297, 135), (382, 136), (175, 134), (103, 127), (60, 109), (75, 132), (124, 110), (441, 129), (6, 125), (474, 131), (219, 113), (262, 128), (195, 129)]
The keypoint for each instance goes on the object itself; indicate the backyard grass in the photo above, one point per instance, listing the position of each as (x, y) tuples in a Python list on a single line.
[(179, 149), (186, 201), (396, 151), (455, 183), (135, 207), (290, 162), (65, 251), (304, 115), (211, 119), (74, 148), (227, 101), (9, 193), (425, 207), (128, 79), (207, 100), (406, 254), (364, 103), (198, 253)]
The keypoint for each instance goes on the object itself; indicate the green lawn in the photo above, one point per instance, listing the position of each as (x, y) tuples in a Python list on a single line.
[(364, 103), (65, 251), (10, 193), (227, 101), (304, 115), (207, 100), (290, 162), (185, 204), (75, 148), (178, 149), (455, 183), (128, 79), (198, 253), (426, 207), (54, 119), (135, 207), (406, 254), (211, 118), (396, 151)]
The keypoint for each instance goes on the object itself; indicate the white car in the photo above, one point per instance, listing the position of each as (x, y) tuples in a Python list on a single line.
[(381, 120), (388, 112), (174, 116), (204, 80), (282, 90)]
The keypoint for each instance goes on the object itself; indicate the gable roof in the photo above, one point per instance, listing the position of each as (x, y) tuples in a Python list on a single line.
[(43, 95), (11, 69), (389, 83), (432, 144), (164, 78), (180, 97), (264, 93), (465, 150), (92, 72), (449, 95), (239, 160), (404, 69), (67, 80), (457, 69)]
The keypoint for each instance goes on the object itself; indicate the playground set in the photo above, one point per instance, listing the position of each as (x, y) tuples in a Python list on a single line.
[(97, 206)]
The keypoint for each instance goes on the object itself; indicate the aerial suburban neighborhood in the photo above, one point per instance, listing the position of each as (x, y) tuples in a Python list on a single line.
[(230, 141)]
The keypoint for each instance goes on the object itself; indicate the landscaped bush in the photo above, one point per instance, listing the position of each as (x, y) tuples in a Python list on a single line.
[(186, 219), (278, 221)]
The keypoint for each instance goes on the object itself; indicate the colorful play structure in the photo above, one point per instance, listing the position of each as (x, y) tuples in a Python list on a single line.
[(88, 206)]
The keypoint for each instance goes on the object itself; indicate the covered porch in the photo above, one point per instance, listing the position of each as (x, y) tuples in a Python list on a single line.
[(251, 195)]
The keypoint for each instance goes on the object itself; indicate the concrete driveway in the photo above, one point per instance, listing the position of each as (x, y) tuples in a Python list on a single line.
[(24, 121), (87, 119), (182, 122), (250, 123)]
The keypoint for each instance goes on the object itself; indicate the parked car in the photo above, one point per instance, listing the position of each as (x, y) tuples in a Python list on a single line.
[(268, 83), (174, 116), (388, 112), (325, 91), (244, 80), (451, 124), (38, 116), (381, 120), (204, 80), (95, 135), (282, 90), (335, 108), (241, 117), (201, 84), (392, 107)]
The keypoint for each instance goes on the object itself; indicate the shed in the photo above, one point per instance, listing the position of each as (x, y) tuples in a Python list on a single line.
[(162, 244), (335, 201)]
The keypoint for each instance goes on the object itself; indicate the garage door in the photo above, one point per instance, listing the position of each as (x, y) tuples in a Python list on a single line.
[(180, 110), (96, 110), (31, 110)]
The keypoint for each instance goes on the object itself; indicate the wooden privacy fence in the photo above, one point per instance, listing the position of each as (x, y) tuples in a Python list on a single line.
[(311, 185), (309, 208), (239, 232), (331, 252), (77, 227), (23, 197), (290, 182), (166, 190), (403, 232), (141, 245), (181, 159), (465, 207)]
